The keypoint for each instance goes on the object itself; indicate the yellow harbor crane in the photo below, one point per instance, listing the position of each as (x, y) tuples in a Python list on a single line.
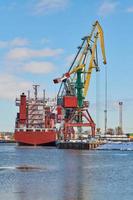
[(77, 80)]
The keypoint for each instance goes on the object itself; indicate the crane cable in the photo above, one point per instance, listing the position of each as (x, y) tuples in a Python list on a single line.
[(97, 90), (106, 99), (97, 99)]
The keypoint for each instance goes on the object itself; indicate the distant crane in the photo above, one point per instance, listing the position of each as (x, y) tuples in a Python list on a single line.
[(120, 116), (71, 98)]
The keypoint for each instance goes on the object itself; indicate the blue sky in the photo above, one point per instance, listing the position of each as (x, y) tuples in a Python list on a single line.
[(38, 39)]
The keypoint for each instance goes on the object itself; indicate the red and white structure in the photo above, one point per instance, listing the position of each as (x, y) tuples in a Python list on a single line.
[(35, 122)]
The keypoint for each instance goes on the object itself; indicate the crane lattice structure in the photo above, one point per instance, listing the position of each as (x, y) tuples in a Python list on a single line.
[(75, 84)]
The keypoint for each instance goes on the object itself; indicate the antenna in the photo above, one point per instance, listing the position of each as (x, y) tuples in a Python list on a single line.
[(28, 94), (44, 95), (35, 87)]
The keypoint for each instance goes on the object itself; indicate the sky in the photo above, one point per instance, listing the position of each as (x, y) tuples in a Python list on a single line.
[(38, 40)]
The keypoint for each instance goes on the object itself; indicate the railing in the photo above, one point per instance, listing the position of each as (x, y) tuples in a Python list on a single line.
[(34, 129)]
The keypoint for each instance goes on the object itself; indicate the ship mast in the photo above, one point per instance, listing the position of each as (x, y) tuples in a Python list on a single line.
[(35, 87)]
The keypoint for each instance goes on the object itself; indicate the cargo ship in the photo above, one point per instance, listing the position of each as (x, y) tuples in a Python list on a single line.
[(35, 121)]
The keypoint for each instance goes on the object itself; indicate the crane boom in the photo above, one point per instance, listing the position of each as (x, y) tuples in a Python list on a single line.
[(87, 51), (91, 66), (101, 36)]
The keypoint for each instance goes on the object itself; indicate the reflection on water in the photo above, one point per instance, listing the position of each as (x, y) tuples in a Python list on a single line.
[(52, 174)]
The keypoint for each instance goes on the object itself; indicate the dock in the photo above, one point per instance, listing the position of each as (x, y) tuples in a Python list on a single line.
[(7, 141), (78, 145)]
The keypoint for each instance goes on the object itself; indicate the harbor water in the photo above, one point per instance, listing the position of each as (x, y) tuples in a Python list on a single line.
[(29, 173)]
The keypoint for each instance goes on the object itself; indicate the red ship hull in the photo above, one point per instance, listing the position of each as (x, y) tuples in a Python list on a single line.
[(45, 138)]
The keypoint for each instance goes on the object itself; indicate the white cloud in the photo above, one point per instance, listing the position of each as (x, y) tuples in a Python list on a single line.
[(26, 53), (107, 7), (39, 67), (19, 42), (130, 9), (46, 6), (10, 86), (14, 42)]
